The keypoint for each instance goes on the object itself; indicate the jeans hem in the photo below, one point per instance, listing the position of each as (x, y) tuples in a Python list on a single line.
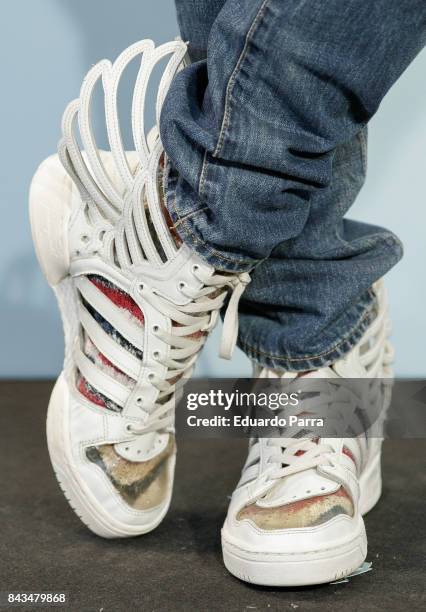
[(187, 224), (296, 363)]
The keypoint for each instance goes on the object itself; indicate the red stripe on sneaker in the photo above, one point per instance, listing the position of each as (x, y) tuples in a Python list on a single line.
[(348, 453), (109, 363), (118, 297), (88, 394)]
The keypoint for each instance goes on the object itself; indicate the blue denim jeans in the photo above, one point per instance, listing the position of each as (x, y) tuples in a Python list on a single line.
[(266, 136)]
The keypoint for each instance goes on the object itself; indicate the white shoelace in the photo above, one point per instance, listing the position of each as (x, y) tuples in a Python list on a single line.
[(197, 317), (297, 455), (304, 450)]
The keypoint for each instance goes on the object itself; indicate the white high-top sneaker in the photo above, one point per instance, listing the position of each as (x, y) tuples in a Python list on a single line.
[(136, 304), (295, 517)]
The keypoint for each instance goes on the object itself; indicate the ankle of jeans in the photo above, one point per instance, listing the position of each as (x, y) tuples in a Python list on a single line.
[(191, 222), (349, 331)]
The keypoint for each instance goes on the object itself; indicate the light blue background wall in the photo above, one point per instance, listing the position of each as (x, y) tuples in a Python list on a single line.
[(46, 47)]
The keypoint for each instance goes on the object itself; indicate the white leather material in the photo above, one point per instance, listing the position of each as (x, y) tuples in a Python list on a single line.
[(344, 477), (50, 198), (297, 487), (167, 280), (86, 425), (246, 535), (143, 448)]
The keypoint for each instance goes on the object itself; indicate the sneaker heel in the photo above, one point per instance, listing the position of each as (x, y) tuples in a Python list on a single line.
[(49, 215)]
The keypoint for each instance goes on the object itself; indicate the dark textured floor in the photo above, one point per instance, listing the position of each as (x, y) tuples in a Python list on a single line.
[(43, 546)]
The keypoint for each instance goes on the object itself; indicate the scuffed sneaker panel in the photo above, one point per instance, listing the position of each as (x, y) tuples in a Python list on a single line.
[(306, 513), (142, 485)]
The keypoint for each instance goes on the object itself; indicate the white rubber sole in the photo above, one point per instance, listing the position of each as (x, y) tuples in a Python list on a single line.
[(294, 569), (313, 567), (49, 216)]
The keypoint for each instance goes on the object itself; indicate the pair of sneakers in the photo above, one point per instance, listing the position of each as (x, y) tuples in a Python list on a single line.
[(137, 307)]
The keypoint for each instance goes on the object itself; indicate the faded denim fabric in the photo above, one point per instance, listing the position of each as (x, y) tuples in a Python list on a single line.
[(266, 137)]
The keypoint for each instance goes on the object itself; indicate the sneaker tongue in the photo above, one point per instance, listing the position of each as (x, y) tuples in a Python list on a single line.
[(296, 487)]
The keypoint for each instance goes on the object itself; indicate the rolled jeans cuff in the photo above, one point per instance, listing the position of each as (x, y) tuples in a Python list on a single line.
[(191, 222), (332, 345)]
